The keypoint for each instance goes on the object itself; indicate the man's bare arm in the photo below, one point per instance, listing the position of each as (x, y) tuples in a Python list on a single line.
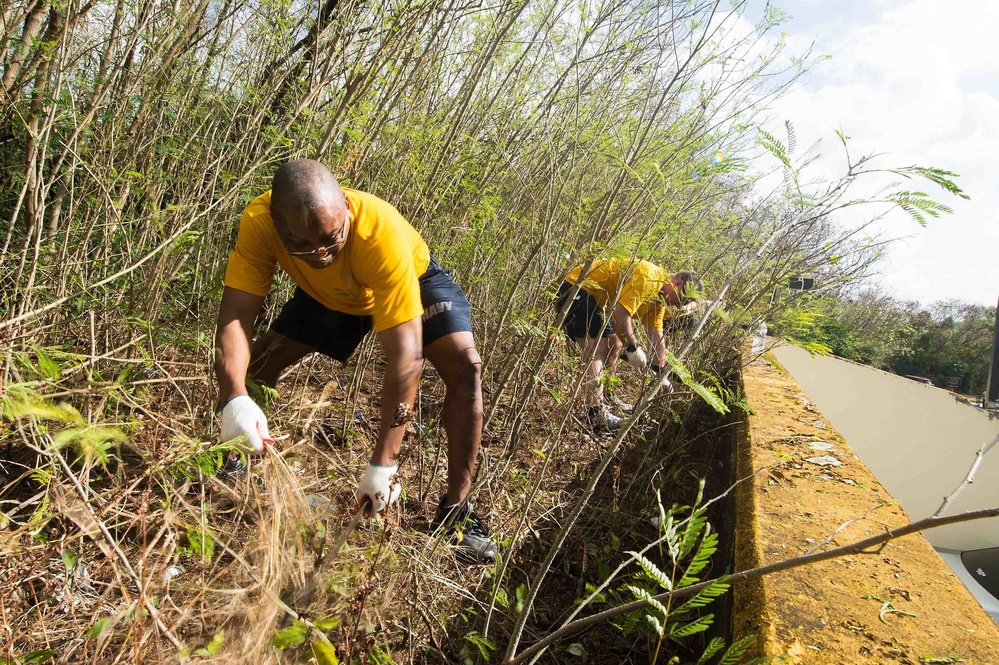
[(623, 326), (233, 333), (403, 345), (658, 342)]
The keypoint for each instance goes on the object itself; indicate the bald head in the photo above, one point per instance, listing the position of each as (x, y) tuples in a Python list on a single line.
[(303, 194)]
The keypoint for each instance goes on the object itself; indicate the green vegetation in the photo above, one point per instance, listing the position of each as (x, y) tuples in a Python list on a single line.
[(520, 138), (946, 339)]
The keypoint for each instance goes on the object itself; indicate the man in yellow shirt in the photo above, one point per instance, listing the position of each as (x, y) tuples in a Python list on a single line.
[(610, 295), (359, 266)]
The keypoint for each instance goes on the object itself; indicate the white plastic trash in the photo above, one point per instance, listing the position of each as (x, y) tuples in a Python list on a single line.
[(172, 572), (824, 460), (760, 338), (821, 445)]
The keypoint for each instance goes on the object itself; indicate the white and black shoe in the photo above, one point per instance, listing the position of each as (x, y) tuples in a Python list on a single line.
[(233, 468), (461, 521), (601, 420), (621, 404)]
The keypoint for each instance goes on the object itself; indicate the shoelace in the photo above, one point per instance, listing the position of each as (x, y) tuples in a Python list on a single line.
[(467, 521), (473, 526)]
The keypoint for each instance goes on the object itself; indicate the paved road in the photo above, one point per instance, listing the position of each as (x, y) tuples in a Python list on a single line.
[(918, 440)]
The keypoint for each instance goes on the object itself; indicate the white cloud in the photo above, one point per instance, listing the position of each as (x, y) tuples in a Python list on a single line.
[(898, 83)]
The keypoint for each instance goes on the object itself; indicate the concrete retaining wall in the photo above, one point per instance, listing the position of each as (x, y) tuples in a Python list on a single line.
[(918, 440), (899, 604)]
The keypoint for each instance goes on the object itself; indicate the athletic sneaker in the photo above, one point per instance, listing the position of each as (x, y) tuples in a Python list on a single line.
[(232, 468), (471, 534), (601, 420), (621, 404)]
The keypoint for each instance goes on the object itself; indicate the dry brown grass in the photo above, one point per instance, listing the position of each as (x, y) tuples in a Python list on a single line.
[(394, 589)]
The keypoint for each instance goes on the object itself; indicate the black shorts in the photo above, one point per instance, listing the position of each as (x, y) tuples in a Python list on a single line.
[(335, 334), (585, 317)]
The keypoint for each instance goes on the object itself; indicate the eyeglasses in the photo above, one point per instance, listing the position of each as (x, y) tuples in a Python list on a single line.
[(329, 246)]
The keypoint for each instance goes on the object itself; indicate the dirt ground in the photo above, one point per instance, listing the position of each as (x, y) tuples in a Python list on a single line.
[(394, 590), (900, 605)]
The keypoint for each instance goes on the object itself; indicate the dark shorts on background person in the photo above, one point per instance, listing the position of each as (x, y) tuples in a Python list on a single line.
[(585, 317), (335, 334)]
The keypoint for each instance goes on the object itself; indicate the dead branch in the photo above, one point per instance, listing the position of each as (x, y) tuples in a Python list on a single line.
[(970, 478)]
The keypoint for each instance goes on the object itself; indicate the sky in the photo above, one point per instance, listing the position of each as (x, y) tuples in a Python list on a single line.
[(916, 80)]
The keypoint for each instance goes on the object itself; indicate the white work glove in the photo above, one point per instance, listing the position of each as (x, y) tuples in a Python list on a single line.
[(376, 486), (691, 307), (242, 417), (636, 357)]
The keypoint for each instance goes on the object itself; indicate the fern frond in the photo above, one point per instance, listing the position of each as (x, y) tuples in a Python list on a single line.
[(642, 594), (91, 442), (716, 645), (736, 651), (702, 557), (696, 525), (655, 623), (653, 571), (672, 535), (629, 624), (35, 406), (938, 177), (774, 146), (665, 518), (702, 481), (706, 596), (703, 391), (48, 365), (918, 205), (698, 625)]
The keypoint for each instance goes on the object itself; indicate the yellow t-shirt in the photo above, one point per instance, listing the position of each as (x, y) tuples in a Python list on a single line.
[(376, 273), (638, 281)]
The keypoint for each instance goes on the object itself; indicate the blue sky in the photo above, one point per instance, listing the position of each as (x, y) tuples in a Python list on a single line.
[(917, 80)]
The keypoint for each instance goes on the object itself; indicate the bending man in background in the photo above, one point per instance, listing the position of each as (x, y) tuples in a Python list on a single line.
[(599, 320), (359, 266)]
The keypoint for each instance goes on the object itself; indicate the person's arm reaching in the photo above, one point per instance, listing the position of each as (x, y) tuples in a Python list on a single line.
[(403, 345), (626, 332), (233, 332), (240, 414), (623, 326), (658, 341)]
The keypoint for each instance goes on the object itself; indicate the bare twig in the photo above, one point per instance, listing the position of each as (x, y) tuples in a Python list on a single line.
[(970, 478), (113, 545), (828, 539)]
